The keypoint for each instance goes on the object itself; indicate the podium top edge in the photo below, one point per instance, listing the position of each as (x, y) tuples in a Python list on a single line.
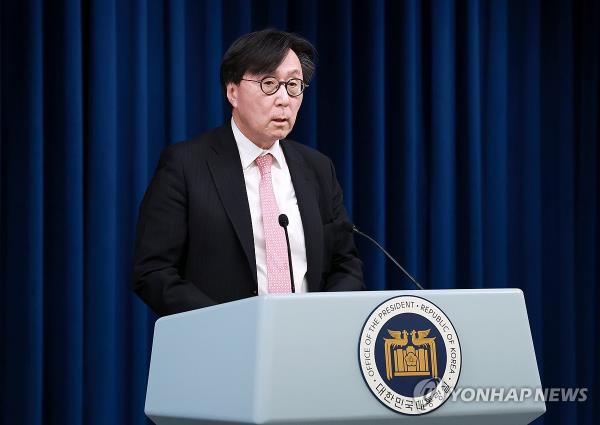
[(271, 298)]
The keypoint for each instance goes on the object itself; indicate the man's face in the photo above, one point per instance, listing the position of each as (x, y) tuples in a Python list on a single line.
[(266, 118)]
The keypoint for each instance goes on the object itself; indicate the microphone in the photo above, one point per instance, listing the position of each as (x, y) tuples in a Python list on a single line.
[(349, 227), (283, 222)]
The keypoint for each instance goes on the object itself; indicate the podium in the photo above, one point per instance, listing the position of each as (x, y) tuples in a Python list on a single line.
[(296, 359)]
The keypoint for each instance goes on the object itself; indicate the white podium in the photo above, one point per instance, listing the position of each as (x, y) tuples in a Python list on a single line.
[(294, 359)]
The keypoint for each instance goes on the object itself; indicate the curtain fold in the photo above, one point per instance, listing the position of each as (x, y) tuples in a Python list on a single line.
[(464, 134), (63, 211), (368, 126), (23, 215)]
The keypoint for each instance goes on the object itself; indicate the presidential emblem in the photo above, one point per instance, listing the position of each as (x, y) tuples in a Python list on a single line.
[(409, 355)]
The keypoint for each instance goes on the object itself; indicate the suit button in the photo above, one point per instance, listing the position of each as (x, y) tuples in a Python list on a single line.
[(255, 292)]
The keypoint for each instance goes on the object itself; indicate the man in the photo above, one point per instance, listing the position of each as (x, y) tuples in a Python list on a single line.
[(208, 229)]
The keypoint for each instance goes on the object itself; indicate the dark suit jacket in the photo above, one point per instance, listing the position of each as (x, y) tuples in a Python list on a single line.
[(195, 245)]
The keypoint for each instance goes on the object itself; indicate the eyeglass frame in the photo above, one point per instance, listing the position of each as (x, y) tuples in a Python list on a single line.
[(279, 84)]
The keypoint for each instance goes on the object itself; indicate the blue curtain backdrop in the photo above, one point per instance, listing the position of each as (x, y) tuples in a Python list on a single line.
[(465, 135)]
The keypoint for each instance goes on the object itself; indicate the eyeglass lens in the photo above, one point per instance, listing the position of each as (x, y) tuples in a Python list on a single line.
[(294, 86)]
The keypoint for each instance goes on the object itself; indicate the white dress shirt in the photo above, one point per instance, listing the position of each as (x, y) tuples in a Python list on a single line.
[(286, 201)]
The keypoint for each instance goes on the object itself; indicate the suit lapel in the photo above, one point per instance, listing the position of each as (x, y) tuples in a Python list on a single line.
[(226, 170), (306, 188)]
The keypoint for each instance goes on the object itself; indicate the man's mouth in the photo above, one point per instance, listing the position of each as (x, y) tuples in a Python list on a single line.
[(280, 120)]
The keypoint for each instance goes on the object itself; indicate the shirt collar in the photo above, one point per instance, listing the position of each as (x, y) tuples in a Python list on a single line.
[(249, 151)]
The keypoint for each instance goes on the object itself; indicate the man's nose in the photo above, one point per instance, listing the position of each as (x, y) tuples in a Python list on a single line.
[(282, 97)]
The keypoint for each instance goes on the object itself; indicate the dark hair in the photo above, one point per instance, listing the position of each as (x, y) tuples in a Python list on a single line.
[(261, 52)]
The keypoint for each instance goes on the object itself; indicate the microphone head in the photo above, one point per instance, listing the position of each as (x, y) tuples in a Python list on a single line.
[(283, 220), (348, 227)]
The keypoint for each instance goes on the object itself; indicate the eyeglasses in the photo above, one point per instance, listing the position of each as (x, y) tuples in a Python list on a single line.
[(270, 85)]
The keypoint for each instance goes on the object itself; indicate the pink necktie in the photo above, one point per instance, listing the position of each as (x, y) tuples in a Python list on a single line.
[(278, 270)]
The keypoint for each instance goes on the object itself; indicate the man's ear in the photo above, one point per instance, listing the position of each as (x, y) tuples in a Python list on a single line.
[(232, 94)]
